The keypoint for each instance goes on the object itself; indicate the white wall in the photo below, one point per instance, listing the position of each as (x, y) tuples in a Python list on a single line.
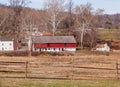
[(55, 49), (105, 48), (6, 46), (70, 49)]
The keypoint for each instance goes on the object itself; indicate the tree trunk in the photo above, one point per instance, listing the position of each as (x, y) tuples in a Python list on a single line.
[(82, 35)]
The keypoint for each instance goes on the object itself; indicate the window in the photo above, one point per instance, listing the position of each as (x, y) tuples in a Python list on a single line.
[(10, 44), (2, 44)]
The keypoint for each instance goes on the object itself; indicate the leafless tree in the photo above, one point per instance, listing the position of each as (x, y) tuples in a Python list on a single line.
[(98, 15), (17, 7), (84, 19), (70, 11), (4, 20), (54, 10)]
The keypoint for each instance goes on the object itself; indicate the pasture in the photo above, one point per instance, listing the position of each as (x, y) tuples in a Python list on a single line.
[(108, 34), (10, 82)]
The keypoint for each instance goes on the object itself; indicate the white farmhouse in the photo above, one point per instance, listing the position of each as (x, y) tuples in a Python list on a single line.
[(7, 44)]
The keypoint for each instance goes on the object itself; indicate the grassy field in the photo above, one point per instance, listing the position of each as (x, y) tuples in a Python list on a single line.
[(57, 83), (108, 34)]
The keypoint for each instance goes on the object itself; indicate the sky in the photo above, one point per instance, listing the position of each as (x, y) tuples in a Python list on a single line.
[(110, 6)]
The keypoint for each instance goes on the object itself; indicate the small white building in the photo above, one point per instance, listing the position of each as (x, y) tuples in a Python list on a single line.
[(7, 44), (103, 47)]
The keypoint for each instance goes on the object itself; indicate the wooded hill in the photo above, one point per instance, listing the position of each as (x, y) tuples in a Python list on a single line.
[(103, 21), (109, 21)]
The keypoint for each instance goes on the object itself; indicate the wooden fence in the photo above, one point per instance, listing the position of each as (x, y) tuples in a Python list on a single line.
[(75, 69), (13, 69)]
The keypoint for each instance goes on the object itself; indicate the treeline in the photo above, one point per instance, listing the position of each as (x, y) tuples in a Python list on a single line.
[(102, 21), (109, 21)]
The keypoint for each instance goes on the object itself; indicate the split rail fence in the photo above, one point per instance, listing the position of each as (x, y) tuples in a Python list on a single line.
[(76, 69)]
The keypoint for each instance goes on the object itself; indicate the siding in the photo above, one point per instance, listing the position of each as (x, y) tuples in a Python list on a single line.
[(57, 45), (71, 45), (40, 45), (6, 45), (15, 46), (54, 45)]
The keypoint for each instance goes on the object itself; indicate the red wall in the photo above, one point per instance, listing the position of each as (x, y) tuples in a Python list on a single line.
[(57, 45), (54, 45), (15, 46), (40, 45), (71, 45)]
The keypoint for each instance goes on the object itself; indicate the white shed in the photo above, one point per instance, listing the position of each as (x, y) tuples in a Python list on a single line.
[(7, 44)]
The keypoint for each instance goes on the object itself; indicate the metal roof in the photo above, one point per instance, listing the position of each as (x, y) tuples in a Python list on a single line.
[(53, 39), (5, 39)]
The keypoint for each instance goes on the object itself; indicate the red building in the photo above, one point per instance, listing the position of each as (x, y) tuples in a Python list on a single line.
[(53, 43)]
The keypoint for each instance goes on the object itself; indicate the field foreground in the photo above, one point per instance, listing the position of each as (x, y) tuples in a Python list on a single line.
[(57, 83)]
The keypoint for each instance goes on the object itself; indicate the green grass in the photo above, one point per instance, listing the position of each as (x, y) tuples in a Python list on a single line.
[(57, 83), (108, 34)]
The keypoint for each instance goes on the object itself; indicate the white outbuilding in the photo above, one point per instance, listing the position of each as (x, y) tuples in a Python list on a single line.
[(7, 44)]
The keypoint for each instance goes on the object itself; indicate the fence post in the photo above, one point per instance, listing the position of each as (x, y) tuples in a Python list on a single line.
[(72, 72), (26, 69), (117, 71)]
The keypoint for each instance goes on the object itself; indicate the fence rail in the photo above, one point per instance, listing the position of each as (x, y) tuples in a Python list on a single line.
[(77, 69)]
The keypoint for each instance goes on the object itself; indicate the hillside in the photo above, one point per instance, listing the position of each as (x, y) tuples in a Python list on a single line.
[(109, 21), (104, 21)]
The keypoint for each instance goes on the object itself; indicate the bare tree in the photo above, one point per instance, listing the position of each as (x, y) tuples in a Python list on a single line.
[(98, 17), (4, 16), (54, 10), (85, 17), (70, 9), (17, 7)]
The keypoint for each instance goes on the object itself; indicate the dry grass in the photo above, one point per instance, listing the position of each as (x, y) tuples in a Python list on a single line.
[(100, 57)]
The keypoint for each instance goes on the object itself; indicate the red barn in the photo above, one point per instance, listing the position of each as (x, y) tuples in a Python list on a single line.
[(53, 43)]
